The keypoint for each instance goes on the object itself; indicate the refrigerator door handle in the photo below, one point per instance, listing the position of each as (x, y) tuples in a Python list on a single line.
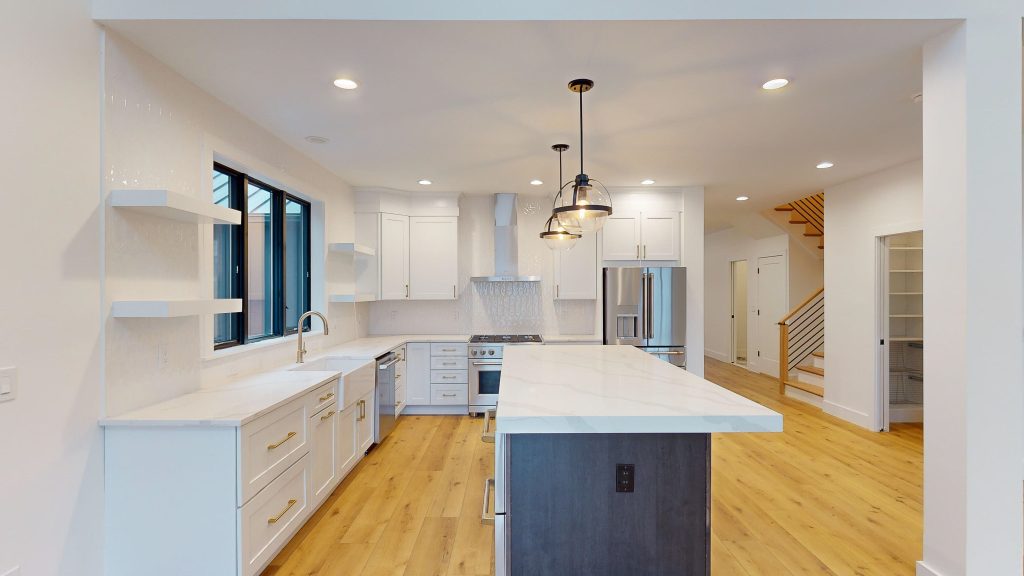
[(650, 304)]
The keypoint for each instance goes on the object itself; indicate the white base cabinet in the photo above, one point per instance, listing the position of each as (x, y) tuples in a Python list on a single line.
[(224, 500), (437, 374)]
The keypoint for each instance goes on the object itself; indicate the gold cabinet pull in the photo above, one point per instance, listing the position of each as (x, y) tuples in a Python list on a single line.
[(283, 440), (274, 520), (328, 397), (326, 416)]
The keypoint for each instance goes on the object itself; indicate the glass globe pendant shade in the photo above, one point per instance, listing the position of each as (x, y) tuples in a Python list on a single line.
[(556, 237), (586, 210)]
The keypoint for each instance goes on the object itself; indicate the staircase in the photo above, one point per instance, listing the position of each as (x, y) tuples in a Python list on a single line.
[(801, 346), (808, 212)]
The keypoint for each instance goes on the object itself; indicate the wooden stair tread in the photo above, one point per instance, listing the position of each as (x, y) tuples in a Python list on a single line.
[(818, 353), (785, 208), (809, 388), (811, 369), (814, 234)]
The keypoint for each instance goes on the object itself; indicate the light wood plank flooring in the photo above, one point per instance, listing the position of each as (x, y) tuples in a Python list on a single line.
[(824, 497)]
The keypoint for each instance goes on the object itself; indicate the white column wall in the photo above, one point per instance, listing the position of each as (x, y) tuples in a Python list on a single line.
[(974, 407)]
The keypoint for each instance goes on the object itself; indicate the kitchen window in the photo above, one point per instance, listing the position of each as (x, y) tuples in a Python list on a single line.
[(264, 261)]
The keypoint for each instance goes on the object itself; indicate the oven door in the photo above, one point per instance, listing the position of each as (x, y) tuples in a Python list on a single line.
[(484, 380)]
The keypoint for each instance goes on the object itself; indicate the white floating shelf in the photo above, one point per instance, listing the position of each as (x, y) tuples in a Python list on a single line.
[(352, 248), (167, 204), (353, 298), (174, 308)]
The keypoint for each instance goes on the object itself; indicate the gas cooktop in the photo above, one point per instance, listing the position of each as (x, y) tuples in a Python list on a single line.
[(506, 339)]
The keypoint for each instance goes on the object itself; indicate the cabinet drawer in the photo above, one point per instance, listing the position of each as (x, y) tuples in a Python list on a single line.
[(448, 363), (449, 377), (449, 349), (268, 520), (270, 444), (449, 394), (322, 396)]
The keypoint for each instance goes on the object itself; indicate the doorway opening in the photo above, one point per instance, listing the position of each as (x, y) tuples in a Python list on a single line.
[(902, 325), (739, 312)]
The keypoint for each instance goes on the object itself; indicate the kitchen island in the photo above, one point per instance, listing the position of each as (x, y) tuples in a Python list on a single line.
[(602, 462)]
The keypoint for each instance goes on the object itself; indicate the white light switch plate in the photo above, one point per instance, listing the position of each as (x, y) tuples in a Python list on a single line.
[(8, 392)]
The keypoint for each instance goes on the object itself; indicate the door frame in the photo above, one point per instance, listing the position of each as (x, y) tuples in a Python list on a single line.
[(732, 305), (881, 417)]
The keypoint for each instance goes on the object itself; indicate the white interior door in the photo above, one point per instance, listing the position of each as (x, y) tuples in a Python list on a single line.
[(771, 307), (739, 312), (394, 257)]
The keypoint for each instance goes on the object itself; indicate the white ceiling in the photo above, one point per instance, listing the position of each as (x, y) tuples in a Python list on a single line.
[(475, 106)]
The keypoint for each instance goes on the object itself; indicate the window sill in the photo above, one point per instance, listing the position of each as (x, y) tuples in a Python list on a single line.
[(255, 347)]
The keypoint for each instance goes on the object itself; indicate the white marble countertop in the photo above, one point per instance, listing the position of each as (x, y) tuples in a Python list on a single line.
[(616, 389), (588, 338), (233, 404)]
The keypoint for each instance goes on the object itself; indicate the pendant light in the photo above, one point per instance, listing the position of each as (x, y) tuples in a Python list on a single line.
[(554, 235), (590, 204)]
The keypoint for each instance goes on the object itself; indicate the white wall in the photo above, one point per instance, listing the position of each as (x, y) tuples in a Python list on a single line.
[(804, 275), (856, 214), (530, 307), (51, 455), (161, 131)]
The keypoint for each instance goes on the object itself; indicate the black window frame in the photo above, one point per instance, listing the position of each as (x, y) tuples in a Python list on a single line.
[(240, 182)]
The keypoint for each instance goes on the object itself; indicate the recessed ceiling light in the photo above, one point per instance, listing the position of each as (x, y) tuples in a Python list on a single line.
[(742, 198), (425, 182), (536, 182), (346, 84), (775, 84), (317, 140), (647, 182), (824, 165)]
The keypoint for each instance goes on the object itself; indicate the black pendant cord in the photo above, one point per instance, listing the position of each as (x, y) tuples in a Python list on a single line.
[(582, 171)]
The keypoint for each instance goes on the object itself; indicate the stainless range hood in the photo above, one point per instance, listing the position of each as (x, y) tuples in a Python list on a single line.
[(506, 243)]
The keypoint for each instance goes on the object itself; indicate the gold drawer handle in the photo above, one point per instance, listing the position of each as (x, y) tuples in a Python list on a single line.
[(326, 416), (328, 397), (283, 440), (274, 520), (448, 395)]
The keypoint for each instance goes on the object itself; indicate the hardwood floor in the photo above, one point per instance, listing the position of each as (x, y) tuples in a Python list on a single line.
[(823, 497)]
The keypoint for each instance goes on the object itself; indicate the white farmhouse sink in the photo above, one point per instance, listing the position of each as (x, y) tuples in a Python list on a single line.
[(331, 364), (357, 376)]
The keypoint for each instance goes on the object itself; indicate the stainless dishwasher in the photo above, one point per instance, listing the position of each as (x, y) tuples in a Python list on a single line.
[(384, 407)]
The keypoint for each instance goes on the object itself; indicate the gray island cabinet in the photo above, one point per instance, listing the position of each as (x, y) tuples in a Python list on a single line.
[(603, 462)]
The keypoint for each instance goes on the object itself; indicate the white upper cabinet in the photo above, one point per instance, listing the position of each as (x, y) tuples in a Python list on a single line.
[(394, 257), (576, 270), (621, 237), (433, 257), (659, 236), (642, 236)]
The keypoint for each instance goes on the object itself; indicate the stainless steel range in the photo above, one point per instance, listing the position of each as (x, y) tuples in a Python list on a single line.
[(485, 354)]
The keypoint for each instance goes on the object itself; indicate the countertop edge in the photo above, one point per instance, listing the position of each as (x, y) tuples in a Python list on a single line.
[(767, 423)]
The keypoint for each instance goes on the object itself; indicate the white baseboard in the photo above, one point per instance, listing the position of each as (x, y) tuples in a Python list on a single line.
[(722, 357), (924, 570), (850, 415)]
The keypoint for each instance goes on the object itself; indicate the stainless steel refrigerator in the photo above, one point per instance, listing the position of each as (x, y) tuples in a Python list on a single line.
[(646, 307)]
